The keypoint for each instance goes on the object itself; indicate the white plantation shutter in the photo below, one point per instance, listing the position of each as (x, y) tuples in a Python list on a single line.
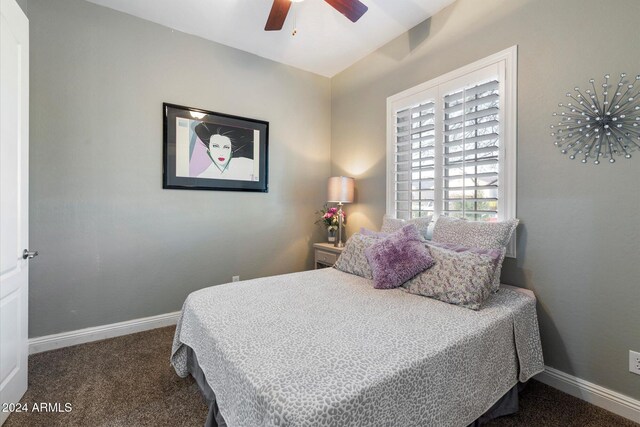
[(471, 152), (415, 161), (451, 144)]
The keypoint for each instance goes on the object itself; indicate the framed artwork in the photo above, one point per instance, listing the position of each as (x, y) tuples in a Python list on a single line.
[(204, 150)]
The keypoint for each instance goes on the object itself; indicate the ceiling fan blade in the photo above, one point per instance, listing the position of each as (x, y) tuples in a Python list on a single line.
[(352, 9), (278, 14)]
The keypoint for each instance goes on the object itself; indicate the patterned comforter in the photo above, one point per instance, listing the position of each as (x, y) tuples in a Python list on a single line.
[(324, 348)]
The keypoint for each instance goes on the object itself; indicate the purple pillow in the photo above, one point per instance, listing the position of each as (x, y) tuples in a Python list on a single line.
[(398, 258), (367, 232)]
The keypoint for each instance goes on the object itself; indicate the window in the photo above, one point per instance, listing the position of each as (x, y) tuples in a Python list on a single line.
[(451, 146)]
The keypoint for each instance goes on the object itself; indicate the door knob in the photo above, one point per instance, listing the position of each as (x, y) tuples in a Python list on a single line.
[(27, 254)]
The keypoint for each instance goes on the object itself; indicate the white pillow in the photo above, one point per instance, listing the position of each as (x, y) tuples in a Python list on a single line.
[(423, 224)]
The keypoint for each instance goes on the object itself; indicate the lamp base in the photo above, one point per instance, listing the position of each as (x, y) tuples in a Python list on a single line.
[(339, 243)]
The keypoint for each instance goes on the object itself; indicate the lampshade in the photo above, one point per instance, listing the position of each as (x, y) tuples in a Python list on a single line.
[(340, 189)]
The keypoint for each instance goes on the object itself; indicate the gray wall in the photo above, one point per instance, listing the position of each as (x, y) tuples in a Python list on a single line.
[(580, 236), (113, 244)]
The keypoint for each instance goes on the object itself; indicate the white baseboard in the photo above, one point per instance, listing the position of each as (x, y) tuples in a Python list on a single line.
[(610, 400), (81, 336)]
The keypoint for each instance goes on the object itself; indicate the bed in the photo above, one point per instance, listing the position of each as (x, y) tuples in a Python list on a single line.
[(323, 348)]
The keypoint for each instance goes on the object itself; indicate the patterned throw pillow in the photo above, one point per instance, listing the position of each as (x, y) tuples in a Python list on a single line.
[(495, 254), (460, 278), (423, 224), (477, 234), (367, 232), (398, 258), (352, 260)]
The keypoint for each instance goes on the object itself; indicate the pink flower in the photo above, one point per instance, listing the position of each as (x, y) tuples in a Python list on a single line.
[(329, 217)]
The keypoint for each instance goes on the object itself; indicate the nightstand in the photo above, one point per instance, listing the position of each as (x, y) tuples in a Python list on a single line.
[(325, 254)]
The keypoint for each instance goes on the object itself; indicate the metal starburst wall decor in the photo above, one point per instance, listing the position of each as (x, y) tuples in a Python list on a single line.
[(600, 126)]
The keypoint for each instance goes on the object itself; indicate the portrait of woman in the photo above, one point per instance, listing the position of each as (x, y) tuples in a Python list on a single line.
[(204, 150), (222, 152)]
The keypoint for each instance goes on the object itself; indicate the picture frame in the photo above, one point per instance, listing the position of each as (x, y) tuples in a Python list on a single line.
[(205, 150)]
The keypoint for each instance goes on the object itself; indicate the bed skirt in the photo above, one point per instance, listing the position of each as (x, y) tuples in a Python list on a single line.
[(506, 405)]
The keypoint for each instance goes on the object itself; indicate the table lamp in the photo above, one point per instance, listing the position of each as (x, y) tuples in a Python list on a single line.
[(340, 190)]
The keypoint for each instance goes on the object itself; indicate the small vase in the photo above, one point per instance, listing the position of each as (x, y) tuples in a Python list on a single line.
[(331, 235)]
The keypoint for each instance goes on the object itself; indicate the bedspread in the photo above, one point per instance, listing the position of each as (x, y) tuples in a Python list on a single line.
[(324, 348)]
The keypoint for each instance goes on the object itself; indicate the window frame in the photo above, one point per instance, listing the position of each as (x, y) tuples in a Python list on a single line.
[(506, 63)]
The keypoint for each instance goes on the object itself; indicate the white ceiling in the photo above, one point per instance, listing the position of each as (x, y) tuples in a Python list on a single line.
[(326, 42)]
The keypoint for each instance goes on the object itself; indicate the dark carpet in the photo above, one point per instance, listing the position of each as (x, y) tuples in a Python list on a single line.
[(127, 381)]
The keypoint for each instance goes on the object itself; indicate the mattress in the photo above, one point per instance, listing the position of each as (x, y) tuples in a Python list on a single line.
[(324, 348)]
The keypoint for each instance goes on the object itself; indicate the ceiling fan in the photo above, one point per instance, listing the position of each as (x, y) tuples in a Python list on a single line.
[(352, 9)]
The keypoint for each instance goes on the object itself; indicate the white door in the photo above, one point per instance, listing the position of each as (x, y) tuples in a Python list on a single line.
[(14, 197)]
